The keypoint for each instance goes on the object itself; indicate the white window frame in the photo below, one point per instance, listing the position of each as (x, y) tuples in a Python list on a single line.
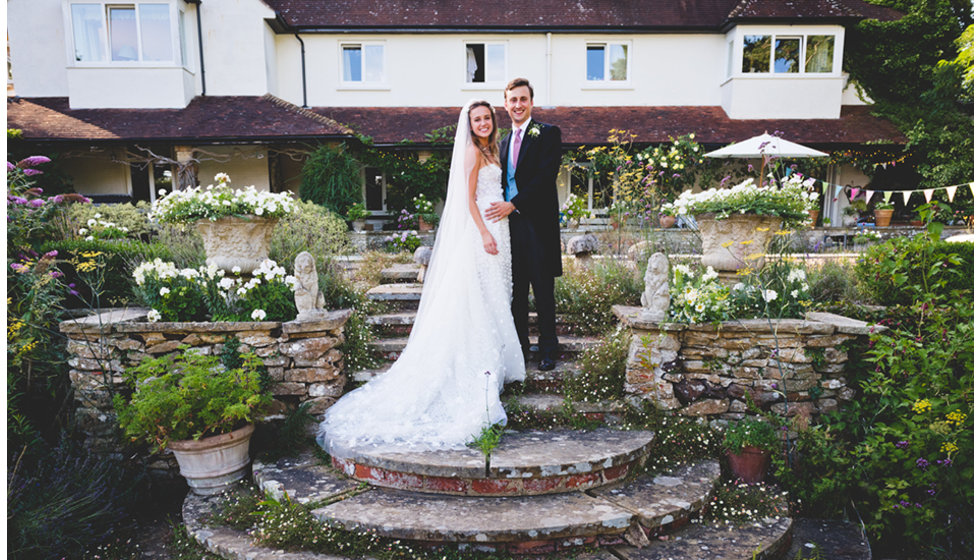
[(175, 40), (606, 82), (362, 84), (803, 36), (485, 84)]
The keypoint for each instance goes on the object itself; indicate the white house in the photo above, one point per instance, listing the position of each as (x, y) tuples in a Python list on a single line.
[(129, 89)]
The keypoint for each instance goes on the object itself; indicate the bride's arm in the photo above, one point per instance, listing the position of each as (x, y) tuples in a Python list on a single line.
[(489, 243)]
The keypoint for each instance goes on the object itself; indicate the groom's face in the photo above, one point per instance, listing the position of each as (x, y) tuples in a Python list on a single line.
[(518, 103)]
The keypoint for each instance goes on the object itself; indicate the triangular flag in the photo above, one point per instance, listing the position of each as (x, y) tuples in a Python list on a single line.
[(973, 189), (951, 192), (906, 195), (854, 193), (928, 193), (888, 195), (867, 196), (837, 190), (823, 188)]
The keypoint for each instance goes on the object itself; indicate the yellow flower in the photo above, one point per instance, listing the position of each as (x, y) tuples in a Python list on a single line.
[(755, 256), (746, 242), (921, 406), (955, 418), (91, 254), (949, 447), (86, 266), (727, 244), (761, 229), (783, 232)]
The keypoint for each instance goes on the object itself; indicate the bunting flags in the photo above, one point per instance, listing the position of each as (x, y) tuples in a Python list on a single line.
[(854, 192)]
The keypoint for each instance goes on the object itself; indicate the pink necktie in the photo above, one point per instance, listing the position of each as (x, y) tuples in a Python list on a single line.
[(517, 148)]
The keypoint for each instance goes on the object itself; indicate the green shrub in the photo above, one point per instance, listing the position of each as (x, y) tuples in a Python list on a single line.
[(818, 475), (901, 271), (834, 281), (185, 243), (750, 431), (63, 500), (310, 228), (129, 221), (119, 259), (331, 178), (585, 296), (603, 366)]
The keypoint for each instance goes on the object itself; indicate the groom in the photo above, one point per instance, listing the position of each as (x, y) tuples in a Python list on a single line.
[(530, 157)]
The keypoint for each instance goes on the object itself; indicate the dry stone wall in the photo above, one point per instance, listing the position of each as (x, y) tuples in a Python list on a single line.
[(303, 360), (793, 367)]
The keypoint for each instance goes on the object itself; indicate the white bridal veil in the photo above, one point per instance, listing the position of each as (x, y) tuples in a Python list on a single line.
[(445, 386)]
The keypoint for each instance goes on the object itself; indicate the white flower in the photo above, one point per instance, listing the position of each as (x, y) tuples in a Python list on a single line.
[(795, 294), (796, 274), (258, 315), (164, 291), (92, 222), (90, 238), (236, 270), (222, 178), (226, 283), (153, 316), (738, 286), (97, 216), (534, 130), (709, 274), (683, 269), (82, 231), (769, 295)]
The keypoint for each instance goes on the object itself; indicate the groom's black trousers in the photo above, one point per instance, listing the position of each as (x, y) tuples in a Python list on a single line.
[(529, 272)]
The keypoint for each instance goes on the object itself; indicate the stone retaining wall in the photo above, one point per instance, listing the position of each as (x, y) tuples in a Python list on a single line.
[(302, 359), (794, 367)]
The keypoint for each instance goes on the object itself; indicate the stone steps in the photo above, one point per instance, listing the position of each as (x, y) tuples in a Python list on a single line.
[(400, 273), (535, 380), (400, 321), (569, 347), (524, 464)]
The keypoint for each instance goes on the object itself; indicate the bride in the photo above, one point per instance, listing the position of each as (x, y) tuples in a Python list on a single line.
[(445, 387)]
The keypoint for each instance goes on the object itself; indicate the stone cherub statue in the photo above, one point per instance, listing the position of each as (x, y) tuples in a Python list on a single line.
[(656, 295), (309, 299)]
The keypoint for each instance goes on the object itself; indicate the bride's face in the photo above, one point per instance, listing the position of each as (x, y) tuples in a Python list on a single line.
[(481, 123)]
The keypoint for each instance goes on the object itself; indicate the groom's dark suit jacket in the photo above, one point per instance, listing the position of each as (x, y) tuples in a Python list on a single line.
[(537, 195)]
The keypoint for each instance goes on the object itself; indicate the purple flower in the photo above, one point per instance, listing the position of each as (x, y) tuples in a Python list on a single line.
[(51, 254), (775, 385), (10, 167), (17, 199), (32, 161), (931, 492), (944, 462), (31, 172), (922, 463), (36, 203), (16, 266), (902, 445), (56, 274)]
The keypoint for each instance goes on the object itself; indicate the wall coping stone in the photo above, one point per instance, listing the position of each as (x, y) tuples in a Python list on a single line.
[(328, 321), (814, 323), (133, 320), (102, 322)]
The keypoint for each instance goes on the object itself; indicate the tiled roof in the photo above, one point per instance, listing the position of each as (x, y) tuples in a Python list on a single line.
[(205, 118), (554, 14), (591, 125)]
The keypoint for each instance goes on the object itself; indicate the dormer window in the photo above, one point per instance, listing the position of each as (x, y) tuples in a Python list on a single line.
[(125, 33), (783, 54), (607, 62)]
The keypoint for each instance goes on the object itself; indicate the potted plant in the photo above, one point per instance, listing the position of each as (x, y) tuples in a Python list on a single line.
[(741, 221), (883, 214), (573, 211), (198, 408), (866, 236), (852, 212), (425, 211), (236, 224), (356, 215), (748, 444)]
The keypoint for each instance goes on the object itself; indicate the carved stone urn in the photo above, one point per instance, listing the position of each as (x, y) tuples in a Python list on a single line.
[(726, 244), (234, 241)]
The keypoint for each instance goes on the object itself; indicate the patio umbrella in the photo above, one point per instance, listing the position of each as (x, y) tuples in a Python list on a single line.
[(767, 147)]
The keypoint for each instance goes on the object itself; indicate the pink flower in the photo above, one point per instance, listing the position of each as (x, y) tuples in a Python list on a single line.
[(32, 161)]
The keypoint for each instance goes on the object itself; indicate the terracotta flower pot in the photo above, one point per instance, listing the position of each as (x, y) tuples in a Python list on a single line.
[(213, 464), (667, 221), (424, 225), (815, 216), (883, 218), (749, 465), (241, 242), (726, 244)]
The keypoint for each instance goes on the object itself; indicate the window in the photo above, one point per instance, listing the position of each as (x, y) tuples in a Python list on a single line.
[(485, 63), (820, 53), (784, 54), (363, 62), (607, 62), (123, 32)]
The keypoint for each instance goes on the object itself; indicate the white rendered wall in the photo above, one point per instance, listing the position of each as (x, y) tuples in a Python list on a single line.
[(130, 88), (246, 165), (235, 46), (98, 175), (36, 34)]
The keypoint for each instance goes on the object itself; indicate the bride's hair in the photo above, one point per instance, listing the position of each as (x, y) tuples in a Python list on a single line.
[(491, 152)]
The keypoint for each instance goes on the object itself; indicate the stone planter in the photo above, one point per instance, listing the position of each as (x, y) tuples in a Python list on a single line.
[(726, 244), (237, 242), (667, 221), (212, 464), (749, 465), (358, 225), (883, 218)]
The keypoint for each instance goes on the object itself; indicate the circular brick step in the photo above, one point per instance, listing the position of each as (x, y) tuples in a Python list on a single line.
[(524, 464)]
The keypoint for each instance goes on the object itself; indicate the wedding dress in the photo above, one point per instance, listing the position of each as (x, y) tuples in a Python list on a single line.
[(445, 387)]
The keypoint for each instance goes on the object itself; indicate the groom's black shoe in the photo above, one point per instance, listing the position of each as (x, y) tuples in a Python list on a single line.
[(547, 364)]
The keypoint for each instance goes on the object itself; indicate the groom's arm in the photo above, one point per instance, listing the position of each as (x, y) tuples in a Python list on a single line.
[(535, 190)]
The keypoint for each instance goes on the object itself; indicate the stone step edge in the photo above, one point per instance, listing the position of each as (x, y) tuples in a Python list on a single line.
[(567, 344), (494, 486)]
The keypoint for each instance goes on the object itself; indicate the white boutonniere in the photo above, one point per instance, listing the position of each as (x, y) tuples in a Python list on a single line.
[(535, 130)]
